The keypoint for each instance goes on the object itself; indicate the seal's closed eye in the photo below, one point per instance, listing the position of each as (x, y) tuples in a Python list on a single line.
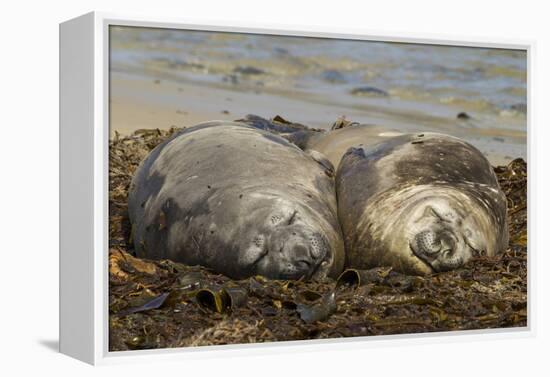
[(292, 218), (284, 218), (431, 211)]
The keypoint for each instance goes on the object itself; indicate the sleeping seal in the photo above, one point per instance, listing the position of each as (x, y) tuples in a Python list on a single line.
[(421, 203), (336, 142), (238, 200), (333, 144)]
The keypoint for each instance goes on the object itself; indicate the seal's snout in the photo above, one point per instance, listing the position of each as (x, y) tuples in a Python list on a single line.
[(301, 256), (305, 254), (318, 247), (428, 242), (441, 250)]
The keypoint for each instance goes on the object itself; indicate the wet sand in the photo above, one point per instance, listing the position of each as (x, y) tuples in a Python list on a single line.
[(139, 102)]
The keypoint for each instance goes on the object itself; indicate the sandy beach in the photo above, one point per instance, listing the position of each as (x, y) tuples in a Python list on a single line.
[(165, 79), (140, 103)]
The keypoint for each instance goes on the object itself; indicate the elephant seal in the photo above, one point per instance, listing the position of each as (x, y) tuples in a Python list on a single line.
[(335, 143), (332, 144), (421, 203), (238, 200)]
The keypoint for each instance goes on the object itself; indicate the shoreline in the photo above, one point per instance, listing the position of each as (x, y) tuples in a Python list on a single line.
[(139, 102)]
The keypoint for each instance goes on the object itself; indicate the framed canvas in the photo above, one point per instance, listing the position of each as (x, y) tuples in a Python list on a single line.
[(233, 189)]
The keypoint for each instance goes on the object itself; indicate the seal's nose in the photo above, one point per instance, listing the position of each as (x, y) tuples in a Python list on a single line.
[(428, 243), (300, 259), (300, 252), (441, 250), (303, 252)]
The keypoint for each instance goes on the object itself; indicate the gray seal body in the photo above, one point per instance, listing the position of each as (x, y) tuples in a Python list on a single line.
[(421, 203), (336, 142), (238, 200)]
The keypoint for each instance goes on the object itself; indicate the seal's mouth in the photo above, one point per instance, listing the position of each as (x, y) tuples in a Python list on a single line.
[(293, 256), (321, 270), (444, 257), (254, 265), (421, 258), (317, 272)]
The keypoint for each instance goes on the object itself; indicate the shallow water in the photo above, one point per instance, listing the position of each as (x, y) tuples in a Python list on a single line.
[(405, 87)]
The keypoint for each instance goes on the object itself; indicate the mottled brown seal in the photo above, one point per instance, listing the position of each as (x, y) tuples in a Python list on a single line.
[(421, 203), (336, 142), (238, 200)]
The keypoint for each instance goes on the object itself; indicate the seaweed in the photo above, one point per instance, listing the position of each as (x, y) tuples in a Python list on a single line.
[(159, 304)]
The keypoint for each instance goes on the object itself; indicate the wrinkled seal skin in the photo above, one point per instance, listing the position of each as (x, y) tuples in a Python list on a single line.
[(421, 203), (238, 200)]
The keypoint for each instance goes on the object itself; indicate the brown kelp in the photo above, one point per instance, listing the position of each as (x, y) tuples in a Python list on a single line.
[(157, 304)]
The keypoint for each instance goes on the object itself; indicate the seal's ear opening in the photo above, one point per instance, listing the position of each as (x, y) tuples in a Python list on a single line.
[(322, 160)]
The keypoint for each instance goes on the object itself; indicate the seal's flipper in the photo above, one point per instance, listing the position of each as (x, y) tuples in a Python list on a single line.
[(296, 133), (277, 125)]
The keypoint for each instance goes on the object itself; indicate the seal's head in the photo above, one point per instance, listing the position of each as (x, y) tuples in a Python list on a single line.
[(288, 247), (443, 235), (433, 229)]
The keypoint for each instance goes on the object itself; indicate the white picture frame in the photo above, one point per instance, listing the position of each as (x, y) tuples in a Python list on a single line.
[(84, 131)]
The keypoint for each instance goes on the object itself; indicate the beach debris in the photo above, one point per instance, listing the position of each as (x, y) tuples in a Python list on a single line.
[(237, 296), (383, 276), (369, 91), (154, 303), (354, 278), (463, 116), (214, 299), (334, 76), (122, 264), (514, 110), (248, 70), (519, 107), (318, 311), (342, 122), (222, 299), (191, 280), (231, 79)]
